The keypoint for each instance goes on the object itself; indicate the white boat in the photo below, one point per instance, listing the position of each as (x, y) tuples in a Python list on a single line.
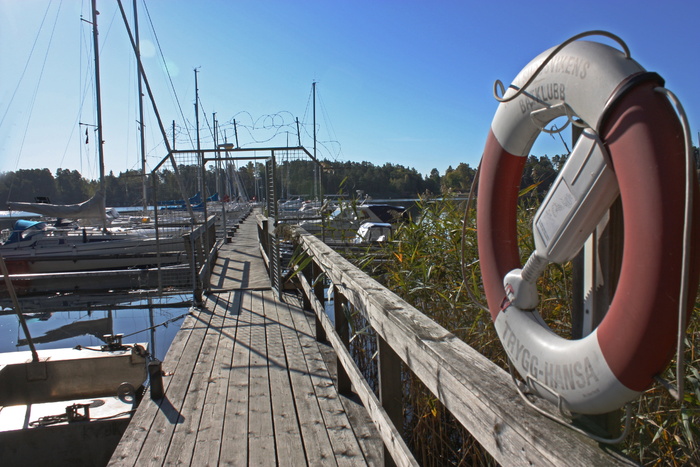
[(343, 223), (294, 203), (374, 232), (35, 247)]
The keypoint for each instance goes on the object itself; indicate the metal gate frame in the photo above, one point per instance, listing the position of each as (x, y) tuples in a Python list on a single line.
[(271, 193)]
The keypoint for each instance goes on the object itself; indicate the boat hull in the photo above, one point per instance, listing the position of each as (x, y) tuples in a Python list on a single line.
[(75, 444), (70, 407)]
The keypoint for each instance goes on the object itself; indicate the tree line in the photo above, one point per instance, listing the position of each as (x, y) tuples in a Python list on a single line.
[(295, 177)]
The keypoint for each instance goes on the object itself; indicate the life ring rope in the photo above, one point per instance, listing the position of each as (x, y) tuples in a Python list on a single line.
[(498, 84), (687, 232), (563, 417)]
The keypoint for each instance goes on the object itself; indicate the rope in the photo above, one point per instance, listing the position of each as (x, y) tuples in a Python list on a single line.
[(167, 71), (687, 225), (32, 99), (498, 84), (54, 419), (164, 323)]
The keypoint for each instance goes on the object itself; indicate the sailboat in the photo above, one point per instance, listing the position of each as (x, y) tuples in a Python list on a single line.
[(40, 247)]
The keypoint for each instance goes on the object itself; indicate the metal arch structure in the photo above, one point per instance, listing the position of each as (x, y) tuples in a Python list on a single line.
[(270, 157)]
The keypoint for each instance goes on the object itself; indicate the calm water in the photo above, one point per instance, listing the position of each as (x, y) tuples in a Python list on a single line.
[(84, 326)]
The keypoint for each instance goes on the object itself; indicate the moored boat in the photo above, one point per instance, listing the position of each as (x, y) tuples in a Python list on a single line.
[(344, 222), (35, 247), (68, 406)]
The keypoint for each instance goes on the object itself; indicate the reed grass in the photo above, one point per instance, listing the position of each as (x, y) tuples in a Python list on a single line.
[(423, 266)]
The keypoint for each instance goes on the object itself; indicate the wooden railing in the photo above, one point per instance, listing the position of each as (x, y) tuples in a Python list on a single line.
[(479, 394), (201, 253), (264, 238)]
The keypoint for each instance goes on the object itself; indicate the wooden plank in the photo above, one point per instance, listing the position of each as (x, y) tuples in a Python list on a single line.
[(362, 425), (261, 443), (170, 414), (132, 441), (243, 388), (182, 443), (234, 448), (388, 432), (288, 443), (209, 437), (238, 264), (317, 445), (479, 393), (345, 446)]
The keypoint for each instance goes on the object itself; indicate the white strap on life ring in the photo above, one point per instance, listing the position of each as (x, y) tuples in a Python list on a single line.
[(634, 147)]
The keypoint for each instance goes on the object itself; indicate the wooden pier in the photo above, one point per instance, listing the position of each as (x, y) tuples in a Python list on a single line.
[(246, 382)]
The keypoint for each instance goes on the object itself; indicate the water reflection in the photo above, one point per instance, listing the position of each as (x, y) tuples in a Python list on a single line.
[(69, 321)]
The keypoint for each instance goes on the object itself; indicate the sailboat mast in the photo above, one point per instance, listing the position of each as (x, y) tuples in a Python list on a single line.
[(143, 136), (218, 154), (163, 133), (98, 102), (196, 122), (313, 87)]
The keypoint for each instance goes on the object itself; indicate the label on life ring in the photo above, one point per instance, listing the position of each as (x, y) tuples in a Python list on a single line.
[(551, 364), (555, 213)]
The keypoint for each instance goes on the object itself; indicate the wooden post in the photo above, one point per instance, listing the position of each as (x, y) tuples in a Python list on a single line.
[(306, 273), (190, 252), (596, 270), (390, 388), (601, 273), (212, 234), (199, 248), (343, 330), (317, 283)]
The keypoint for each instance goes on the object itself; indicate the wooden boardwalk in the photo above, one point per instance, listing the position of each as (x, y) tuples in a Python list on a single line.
[(239, 265), (246, 383)]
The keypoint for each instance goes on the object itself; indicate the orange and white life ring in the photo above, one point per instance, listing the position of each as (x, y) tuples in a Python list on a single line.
[(640, 144)]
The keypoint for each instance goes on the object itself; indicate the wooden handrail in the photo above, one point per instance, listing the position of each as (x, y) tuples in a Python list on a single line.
[(475, 390), (200, 247)]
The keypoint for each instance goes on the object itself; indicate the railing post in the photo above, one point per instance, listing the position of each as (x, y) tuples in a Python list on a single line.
[(390, 388), (596, 270), (262, 235), (343, 330), (199, 248), (191, 249), (318, 283), (212, 234), (307, 275)]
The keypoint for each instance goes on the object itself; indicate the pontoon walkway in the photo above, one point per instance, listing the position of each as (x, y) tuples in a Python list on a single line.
[(246, 383)]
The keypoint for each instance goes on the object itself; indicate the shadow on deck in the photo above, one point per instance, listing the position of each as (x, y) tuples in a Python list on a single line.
[(246, 382)]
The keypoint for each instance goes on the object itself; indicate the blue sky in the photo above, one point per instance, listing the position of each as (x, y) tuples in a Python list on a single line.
[(406, 82)]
